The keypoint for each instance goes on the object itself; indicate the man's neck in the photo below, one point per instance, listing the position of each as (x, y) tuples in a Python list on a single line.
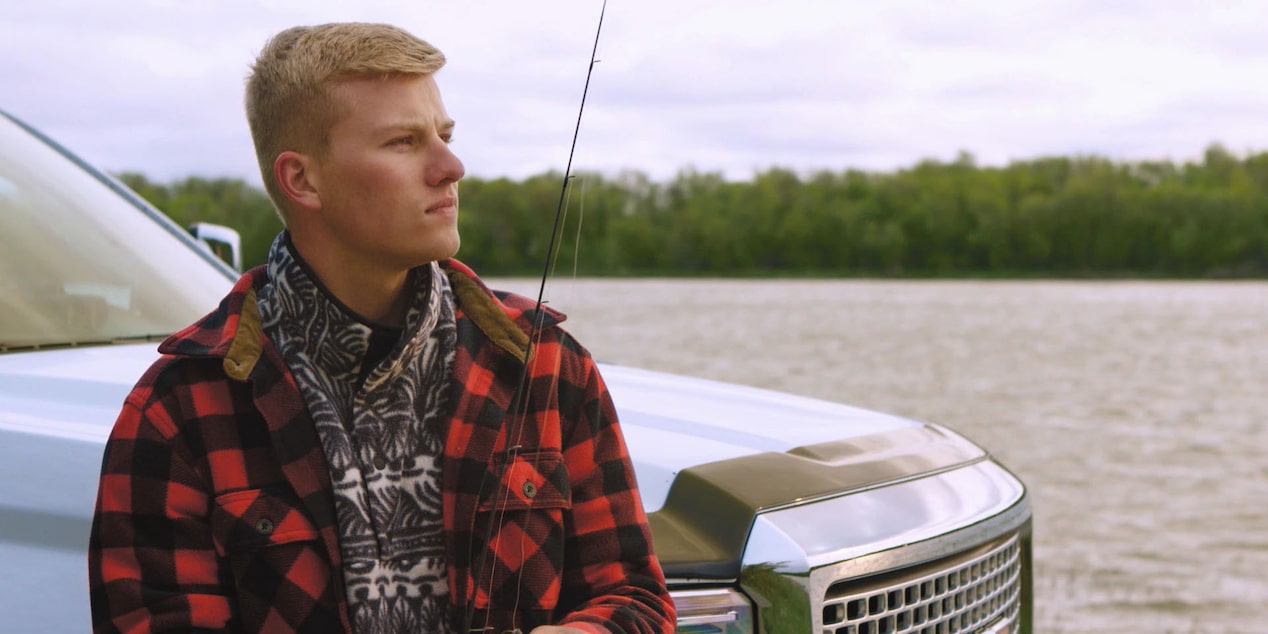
[(381, 300), (375, 294)]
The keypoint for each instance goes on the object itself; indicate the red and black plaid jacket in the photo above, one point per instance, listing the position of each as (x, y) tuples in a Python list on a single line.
[(215, 509)]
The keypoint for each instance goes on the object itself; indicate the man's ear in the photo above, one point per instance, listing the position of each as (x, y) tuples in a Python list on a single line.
[(294, 176)]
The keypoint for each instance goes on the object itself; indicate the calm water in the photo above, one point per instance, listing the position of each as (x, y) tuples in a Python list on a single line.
[(1134, 411)]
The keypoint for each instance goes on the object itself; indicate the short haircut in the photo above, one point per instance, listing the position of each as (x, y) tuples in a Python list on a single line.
[(288, 104)]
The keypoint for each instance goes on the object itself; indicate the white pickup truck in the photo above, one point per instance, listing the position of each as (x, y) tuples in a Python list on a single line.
[(770, 513)]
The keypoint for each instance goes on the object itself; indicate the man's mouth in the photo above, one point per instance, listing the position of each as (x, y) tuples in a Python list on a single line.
[(445, 206)]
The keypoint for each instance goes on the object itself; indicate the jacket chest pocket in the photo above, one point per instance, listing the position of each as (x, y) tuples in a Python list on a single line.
[(272, 549), (525, 554)]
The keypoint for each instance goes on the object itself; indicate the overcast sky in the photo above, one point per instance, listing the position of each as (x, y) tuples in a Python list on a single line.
[(734, 86)]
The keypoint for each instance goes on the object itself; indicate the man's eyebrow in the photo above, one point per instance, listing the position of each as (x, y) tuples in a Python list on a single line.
[(445, 127)]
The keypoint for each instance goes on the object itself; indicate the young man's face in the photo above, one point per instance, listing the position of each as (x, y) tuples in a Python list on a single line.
[(388, 183)]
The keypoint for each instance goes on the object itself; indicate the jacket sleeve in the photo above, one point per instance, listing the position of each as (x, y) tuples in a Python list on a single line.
[(151, 560), (611, 573)]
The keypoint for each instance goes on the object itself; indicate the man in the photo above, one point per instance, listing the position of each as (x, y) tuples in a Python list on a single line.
[(352, 441)]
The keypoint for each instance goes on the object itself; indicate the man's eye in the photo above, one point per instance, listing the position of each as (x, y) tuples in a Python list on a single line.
[(405, 140)]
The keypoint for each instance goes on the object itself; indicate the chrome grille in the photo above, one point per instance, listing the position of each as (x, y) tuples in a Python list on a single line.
[(965, 594)]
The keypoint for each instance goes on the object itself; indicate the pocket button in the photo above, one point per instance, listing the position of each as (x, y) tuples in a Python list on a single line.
[(530, 490), (264, 526)]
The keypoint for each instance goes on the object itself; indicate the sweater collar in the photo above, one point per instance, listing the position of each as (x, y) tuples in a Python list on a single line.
[(233, 332)]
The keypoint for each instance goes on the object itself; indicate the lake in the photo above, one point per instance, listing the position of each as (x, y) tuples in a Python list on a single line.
[(1134, 411)]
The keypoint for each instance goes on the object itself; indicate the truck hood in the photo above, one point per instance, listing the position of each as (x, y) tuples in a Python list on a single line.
[(670, 422), (56, 410), (712, 456), (70, 393), (709, 456), (675, 422)]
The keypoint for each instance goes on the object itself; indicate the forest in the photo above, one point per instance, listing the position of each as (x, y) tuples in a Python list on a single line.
[(1062, 217)]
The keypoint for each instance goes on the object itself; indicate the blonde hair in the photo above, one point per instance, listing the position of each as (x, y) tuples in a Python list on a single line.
[(288, 104)]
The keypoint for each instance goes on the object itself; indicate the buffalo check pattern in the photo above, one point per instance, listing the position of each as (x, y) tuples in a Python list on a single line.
[(215, 510)]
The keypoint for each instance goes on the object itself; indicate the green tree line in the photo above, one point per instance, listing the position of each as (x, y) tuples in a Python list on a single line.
[(1057, 216)]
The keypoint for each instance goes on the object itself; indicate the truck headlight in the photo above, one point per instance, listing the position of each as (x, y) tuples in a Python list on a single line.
[(714, 611)]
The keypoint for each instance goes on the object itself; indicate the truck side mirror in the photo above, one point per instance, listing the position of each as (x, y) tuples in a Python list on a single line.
[(223, 241)]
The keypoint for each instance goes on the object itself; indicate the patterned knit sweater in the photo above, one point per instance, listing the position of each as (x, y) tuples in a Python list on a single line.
[(379, 428)]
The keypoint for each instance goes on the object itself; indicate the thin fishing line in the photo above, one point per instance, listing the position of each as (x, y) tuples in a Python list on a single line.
[(576, 242)]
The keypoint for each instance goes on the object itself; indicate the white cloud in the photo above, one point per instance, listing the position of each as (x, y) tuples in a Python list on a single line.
[(155, 86)]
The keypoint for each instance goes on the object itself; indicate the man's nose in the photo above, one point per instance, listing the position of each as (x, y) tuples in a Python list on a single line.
[(445, 167)]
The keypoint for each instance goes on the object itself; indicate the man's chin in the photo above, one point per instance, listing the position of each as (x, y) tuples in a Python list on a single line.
[(452, 251), (440, 251)]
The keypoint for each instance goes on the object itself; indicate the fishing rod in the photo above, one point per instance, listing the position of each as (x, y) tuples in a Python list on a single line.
[(519, 404)]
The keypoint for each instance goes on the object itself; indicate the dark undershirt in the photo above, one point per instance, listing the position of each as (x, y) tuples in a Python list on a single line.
[(382, 340)]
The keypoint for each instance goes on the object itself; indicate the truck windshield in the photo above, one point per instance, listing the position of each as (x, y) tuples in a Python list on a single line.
[(80, 263)]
